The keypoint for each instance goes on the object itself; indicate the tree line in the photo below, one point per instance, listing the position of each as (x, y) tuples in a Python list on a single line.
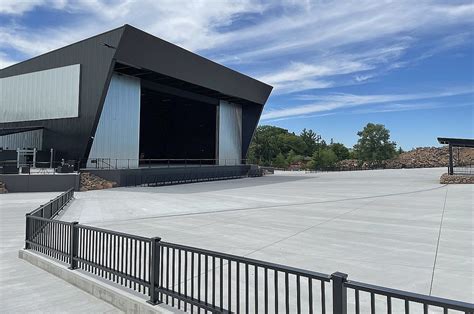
[(277, 147)]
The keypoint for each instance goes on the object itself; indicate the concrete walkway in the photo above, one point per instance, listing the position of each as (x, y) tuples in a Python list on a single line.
[(25, 288), (397, 228)]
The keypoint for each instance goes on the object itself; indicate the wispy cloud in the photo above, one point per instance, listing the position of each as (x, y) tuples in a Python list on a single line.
[(294, 45), (18, 7), (332, 102)]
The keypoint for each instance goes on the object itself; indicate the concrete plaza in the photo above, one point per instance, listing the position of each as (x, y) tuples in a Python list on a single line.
[(396, 228), (25, 288)]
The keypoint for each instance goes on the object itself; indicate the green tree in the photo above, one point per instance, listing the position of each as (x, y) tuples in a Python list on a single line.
[(341, 151), (311, 139), (293, 157), (374, 143), (280, 161), (265, 144), (323, 158), (269, 141)]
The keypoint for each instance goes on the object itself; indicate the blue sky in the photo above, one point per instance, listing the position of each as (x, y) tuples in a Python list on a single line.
[(335, 65)]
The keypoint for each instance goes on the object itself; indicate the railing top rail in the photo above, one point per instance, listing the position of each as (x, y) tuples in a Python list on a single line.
[(49, 220), (411, 296), (51, 201), (278, 267), (123, 234)]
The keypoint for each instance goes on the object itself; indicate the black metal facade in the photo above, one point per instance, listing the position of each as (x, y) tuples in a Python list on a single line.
[(134, 52)]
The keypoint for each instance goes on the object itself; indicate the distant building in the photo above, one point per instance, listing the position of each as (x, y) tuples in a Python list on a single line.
[(125, 95)]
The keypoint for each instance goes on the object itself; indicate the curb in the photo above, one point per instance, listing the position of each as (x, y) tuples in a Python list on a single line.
[(118, 296)]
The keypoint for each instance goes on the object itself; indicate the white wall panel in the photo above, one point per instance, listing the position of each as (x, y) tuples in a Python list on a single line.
[(230, 133), (28, 139), (118, 132), (49, 94)]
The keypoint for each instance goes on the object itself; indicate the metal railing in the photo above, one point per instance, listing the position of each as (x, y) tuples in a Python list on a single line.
[(346, 168), (48, 236), (190, 176), (54, 206), (463, 167), (116, 163), (194, 279), (399, 301)]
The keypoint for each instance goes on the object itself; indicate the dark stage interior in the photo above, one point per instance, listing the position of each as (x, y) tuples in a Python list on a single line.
[(172, 127)]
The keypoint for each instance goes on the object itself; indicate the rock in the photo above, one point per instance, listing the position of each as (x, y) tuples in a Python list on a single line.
[(456, 179), (90, 181)]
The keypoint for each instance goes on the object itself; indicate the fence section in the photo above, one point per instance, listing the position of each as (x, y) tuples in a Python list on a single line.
[(192, 278), (54, 206), (119, 257), (385, 300), (48, 236)]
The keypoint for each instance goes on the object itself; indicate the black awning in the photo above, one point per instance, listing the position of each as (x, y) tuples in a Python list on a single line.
[(457, 142)]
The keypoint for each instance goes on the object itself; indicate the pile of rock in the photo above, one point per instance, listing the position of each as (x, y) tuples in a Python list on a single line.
[(354, 164), (456, 179), (90, 181), (3, 188), (422, 157)]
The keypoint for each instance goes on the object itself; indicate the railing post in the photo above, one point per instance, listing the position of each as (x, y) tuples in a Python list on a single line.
[(339, 293), (73, 245), (27, 231), (450, 160), (154, 269)]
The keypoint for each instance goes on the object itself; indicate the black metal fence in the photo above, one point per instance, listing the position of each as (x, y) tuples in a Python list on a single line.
[(198, 280), (464, 167), (115, 163), (156, 177)]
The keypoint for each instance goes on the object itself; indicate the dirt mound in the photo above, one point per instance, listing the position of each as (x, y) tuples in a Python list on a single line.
[(90, 181)]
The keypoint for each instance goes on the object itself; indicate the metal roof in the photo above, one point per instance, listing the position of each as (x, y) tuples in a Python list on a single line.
[(458, 142)]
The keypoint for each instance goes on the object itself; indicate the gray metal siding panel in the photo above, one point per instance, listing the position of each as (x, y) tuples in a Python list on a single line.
[(70, 137), (29, 139), (118, 131), (230, 133), (41, 95)]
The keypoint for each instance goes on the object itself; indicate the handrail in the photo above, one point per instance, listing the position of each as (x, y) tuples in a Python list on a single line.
[(123, 234), (69, 193), (410, 296), (250, 261)]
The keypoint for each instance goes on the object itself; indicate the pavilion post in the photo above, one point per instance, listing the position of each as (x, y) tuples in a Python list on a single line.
[(450, 167)]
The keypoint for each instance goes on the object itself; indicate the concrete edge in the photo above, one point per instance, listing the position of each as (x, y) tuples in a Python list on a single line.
[(122, 300)]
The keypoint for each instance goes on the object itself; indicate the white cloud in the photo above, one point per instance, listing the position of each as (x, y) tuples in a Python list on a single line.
[(298, 76), (327, 103), (5, 61), (311, 42), (18, 7)]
